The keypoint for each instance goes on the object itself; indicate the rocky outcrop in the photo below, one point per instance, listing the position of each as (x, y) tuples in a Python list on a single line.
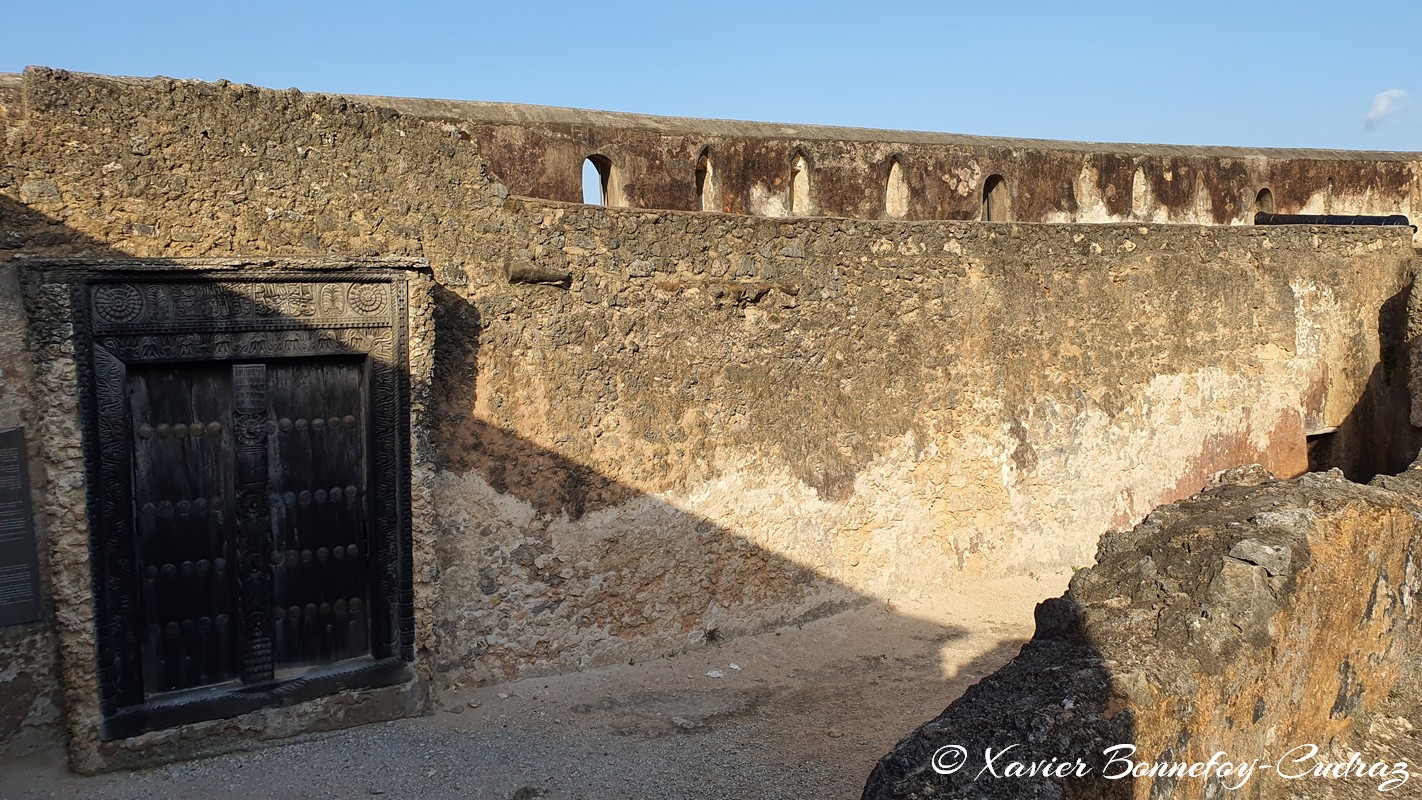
[(1247, 641)]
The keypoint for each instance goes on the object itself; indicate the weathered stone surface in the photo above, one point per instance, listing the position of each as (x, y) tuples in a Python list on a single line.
[(528, 272), (723, 423), (1249, 620), (39, 192), (30, 697), (850, 172)]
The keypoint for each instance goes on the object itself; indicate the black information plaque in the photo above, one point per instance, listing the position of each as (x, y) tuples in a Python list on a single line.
[(19, 561)]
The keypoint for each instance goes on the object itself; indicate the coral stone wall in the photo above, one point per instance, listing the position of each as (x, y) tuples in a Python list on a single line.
[(30, 698), (747, 168), (653, 425), (889, 406)]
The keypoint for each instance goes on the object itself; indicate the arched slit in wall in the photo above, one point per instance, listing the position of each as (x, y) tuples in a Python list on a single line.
[(896, 191), (597, 178), (1264, 201), (705, 182), (994, 199), (799, 186)]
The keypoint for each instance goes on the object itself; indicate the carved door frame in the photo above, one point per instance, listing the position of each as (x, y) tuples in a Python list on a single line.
[(127, 317)]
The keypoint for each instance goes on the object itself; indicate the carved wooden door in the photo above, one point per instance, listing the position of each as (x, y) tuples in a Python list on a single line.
[(183, 468), (316, 485), (249, 491), (247, 462)]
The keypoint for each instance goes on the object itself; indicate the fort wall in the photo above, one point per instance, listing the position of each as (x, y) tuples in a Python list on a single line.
[(652, 428), (750, 168)]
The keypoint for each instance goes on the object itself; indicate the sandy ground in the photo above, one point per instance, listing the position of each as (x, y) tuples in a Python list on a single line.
[(799, 713)]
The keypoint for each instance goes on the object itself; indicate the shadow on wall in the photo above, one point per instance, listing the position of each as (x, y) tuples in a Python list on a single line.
[(549, 483), (1377, 436), (595, 572), (31, 699), (568, 590), (546, 564)]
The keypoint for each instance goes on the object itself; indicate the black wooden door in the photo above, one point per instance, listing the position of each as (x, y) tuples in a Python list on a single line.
[(316, 480), (182, 479), (250, 491)]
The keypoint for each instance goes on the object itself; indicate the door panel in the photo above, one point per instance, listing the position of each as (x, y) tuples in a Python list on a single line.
[(317, 480), (182, 464), (228, 592)]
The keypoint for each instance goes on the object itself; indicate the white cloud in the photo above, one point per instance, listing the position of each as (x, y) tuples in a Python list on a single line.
[(1386, 105)]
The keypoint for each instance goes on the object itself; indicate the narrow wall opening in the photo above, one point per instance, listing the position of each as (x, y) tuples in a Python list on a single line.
[(896, 192), (1264, 201), (994, 199), (800, 186), (1320, 444), (1140, 195), (705, 182), (597, 181)]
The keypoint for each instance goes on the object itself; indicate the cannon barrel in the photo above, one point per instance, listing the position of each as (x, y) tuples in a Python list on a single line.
[(1263, 218)]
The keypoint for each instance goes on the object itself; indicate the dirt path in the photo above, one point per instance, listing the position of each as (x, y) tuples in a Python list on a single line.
[(800, 713)]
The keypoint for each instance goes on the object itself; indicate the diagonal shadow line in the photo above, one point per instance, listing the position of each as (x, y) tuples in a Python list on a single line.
[(555, 487)]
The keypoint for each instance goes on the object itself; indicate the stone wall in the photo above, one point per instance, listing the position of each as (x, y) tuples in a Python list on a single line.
[(654, 163), (653, 428), (30, 699), (889, 406)]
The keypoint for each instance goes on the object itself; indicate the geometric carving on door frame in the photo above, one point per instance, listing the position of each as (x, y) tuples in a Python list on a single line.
[(126, 318)]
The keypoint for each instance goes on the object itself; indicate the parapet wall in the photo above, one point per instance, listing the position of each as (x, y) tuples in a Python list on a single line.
[(751, 168), (657, 426)]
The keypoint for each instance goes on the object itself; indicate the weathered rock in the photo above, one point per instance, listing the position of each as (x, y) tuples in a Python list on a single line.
[(529, 272), (1250, 620)]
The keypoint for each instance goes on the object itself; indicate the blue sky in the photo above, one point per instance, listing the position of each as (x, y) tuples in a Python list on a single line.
[(1300, 74)]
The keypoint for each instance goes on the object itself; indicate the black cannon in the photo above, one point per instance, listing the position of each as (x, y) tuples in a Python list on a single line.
[(1263, 218)]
